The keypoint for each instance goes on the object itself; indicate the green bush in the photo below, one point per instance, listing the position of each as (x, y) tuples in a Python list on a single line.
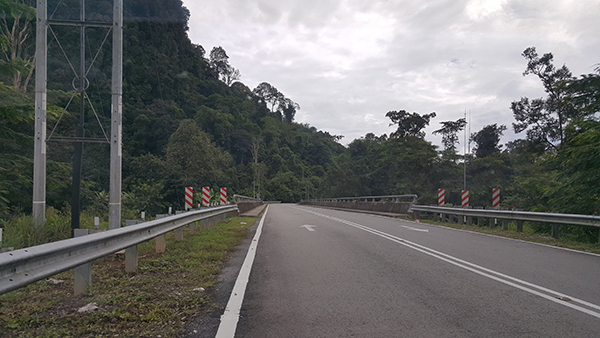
[(19, 231)]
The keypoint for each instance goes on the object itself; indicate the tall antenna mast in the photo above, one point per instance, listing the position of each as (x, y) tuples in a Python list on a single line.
[(465, 156)]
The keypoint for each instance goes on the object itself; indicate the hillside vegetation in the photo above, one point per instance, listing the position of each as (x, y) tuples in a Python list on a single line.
[(189, 121)]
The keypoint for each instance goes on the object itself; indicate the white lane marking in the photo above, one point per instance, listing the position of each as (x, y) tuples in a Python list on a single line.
[(514, 239), (308, 227), (231, 315), (556, 297), (415, 229)]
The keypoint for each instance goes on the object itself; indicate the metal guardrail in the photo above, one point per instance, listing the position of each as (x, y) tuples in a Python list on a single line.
[(516, 215), (21, 267), (241, 198), (393, 198)]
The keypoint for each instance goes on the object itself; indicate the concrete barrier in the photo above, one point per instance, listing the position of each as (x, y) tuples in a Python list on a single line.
[(247, 206)]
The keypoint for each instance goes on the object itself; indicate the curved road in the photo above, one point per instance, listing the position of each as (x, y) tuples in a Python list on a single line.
[(328, 273)]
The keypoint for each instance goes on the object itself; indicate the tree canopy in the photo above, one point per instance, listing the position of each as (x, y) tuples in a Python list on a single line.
[(545, 119), (409, 124)]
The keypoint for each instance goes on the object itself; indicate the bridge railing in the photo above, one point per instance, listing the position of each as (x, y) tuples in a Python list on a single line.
[(388, 204), (24, 266), (389, 198), (241, 198), (504, 216)]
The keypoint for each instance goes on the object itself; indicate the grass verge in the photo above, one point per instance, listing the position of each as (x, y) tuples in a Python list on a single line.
[(166, 292), (528, 234)]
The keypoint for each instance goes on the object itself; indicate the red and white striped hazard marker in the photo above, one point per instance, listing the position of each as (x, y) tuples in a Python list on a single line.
[(496, 198), (223, 195), (189, 197), (441, 196), (465, 198), (205, 196)]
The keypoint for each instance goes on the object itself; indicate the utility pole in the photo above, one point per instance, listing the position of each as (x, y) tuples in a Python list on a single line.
[(80, 133), (39, 150), (80, 83), (116, 129)]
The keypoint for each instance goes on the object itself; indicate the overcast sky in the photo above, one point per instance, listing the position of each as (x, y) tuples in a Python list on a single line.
[(348, 62)]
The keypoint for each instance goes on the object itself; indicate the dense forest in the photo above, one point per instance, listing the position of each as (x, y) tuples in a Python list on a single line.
[(188, 120)]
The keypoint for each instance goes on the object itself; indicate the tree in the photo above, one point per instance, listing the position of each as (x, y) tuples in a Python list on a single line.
[(193, 159), (584, 93), (257, 169), (16, 20), (576, 188), (16, 143), (409, 124), (219, 62), (449, 132), (268, 94), (288, 109), (545, 119), (487, 140)]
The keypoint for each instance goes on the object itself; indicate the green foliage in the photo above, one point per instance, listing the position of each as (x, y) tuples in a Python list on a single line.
[(449, 133), (545, 119), (19, 232), (584, 93), (487, 140), (219, 62), (409, 124), (576, 166)]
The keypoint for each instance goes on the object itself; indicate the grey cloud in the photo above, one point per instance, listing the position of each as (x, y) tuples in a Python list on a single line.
[(427, 56)]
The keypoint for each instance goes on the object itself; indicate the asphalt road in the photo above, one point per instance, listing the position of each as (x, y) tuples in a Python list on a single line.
[(360, 275)]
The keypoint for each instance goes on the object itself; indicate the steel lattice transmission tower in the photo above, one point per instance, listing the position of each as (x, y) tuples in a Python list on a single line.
[(41, 86)]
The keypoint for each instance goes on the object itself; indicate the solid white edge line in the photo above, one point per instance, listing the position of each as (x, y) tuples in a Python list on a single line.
[(231, 315), (457, 262)]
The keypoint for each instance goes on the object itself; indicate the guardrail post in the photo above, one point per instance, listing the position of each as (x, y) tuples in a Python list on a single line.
[(555, 229), (469, 220), (83, 273), (504, 224), (161, 241), (131, 254), (179, 234), (520, 226), (192, 228)]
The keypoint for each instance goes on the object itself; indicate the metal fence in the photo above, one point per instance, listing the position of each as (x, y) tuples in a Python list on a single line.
[(21, 267)]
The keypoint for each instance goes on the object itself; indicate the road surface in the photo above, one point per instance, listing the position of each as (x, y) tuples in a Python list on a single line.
[(328, 273)]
